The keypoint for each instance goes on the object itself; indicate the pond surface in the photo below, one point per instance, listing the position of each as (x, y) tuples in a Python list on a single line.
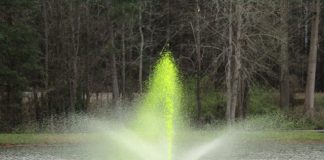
[(257, 151), (272, 151)]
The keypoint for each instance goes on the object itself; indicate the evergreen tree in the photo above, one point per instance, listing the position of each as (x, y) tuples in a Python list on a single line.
[(19, 57)]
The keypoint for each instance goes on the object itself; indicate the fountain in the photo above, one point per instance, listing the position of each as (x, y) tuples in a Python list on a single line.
[(156, 130), (160, 107), (151, 134)]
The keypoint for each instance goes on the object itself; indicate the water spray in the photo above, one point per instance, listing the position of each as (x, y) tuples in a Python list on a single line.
[(160, 107)]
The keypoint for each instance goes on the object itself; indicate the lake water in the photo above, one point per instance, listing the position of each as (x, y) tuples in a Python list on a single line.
[(248, 151)]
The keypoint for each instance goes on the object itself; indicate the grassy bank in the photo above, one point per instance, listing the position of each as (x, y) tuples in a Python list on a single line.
[(39, 139), (76, 138)]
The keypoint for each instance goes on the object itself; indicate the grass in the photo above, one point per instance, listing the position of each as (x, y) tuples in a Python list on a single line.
[(77, 138), (22, 139)]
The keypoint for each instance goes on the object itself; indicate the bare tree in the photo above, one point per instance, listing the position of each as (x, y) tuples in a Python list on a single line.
[(140, 28), (237, 59), (197, 31), (75, 37), (229, 67), (115, 86), (284, 57), (249, 30), (312, 59), (46, 66), (123, 60), (234, 62)]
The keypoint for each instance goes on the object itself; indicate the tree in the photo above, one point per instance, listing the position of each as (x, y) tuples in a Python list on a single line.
[(140, 28), (251, 30), (229, 67), (235, 60), (19, 59), (284, 57), (197, 31), (75, 47), (312, 60)]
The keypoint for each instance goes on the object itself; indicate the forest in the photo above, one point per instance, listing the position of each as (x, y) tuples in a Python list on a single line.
[(237, 58)]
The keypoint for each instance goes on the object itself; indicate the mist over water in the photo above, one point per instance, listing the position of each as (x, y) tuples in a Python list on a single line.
[(156, 129), (150, 134), (111, 139)]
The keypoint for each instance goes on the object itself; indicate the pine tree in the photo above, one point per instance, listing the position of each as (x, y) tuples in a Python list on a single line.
[(19, 57)]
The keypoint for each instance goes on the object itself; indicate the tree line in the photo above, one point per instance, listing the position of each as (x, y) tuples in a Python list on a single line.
[(68, 49)]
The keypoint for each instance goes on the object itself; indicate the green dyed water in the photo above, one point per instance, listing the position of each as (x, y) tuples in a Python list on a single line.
[(156, 131), (159, 112)]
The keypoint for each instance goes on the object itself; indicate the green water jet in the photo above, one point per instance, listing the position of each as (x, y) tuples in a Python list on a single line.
[(159, 111)]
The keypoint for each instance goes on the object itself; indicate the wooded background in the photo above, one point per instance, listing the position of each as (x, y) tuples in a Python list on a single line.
[(60, 57)]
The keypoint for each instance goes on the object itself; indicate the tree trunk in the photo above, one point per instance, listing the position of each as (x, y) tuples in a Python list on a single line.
[(115, 79), (311, 73), (140, 75), (75, 48), (284, 57), (237, 61), (306, 31), (123, 62), (46, 79), (198, 52), (243, 97), (229, 65), (115, 85), (88, 60)]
